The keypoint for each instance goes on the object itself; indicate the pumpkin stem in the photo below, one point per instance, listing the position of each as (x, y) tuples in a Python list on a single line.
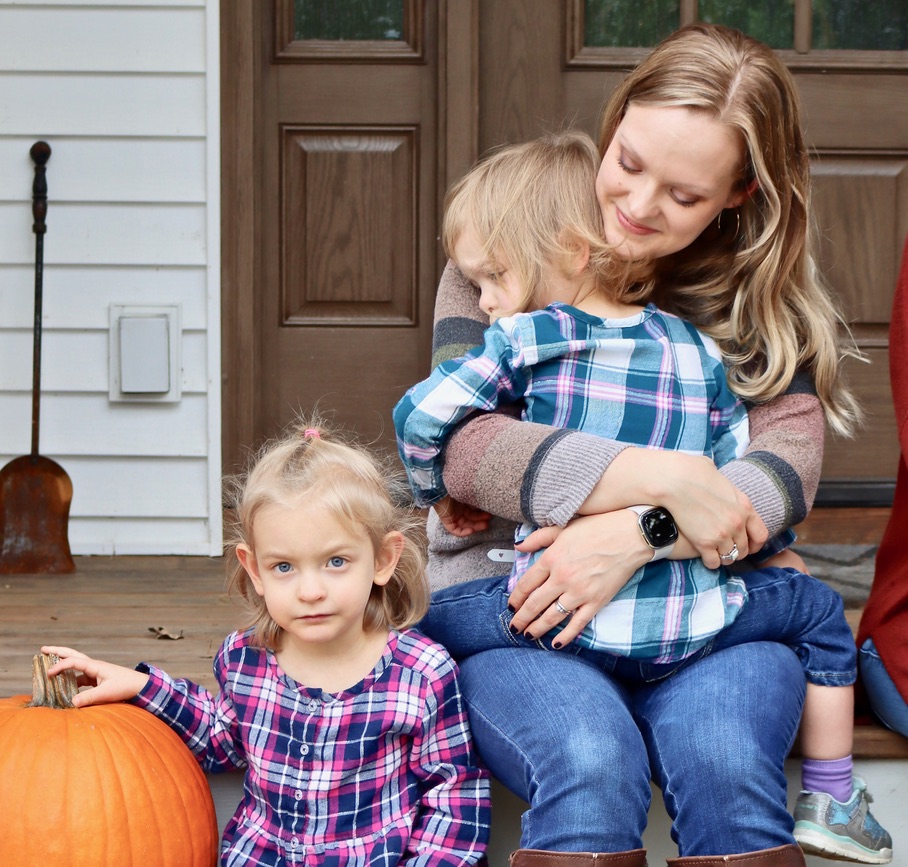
[(56, 692)]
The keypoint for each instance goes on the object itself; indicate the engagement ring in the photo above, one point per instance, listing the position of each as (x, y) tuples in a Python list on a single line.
[(731, 556)]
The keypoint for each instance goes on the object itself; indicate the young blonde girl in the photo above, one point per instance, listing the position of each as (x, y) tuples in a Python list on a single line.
[(569, 345), (350, 725)]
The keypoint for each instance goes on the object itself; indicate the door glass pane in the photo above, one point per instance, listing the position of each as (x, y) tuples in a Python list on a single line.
[(770, 21), (859, 25), (350, 19), (880, 25), (613, 23)]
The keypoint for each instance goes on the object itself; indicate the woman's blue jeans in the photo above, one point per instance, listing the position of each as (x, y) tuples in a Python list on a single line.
[(883, 694), (580, 744)]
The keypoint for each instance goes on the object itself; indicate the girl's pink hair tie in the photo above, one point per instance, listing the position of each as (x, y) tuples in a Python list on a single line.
[(312, 432)]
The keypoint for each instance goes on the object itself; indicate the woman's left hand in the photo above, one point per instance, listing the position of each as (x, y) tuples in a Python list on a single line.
[(584, 565)]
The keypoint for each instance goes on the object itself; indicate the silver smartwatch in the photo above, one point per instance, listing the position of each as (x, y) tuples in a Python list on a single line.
[(658, 528)]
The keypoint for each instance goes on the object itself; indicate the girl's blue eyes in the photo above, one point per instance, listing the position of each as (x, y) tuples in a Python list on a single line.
[(285, 568)]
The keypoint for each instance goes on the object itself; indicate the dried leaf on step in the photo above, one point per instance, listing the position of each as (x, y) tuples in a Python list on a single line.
[(161, 633)]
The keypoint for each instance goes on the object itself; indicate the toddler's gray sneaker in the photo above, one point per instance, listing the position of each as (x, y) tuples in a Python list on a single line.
[(827, 827)]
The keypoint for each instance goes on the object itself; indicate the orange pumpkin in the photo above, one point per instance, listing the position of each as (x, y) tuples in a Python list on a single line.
[(105, 786)]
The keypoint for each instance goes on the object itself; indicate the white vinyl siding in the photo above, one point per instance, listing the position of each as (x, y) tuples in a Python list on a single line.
[(126, 94)]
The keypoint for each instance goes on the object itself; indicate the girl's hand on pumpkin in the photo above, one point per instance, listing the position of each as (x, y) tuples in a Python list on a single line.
[(107, 682)]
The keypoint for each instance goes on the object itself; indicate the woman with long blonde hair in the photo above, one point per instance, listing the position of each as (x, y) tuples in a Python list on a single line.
[(704, 173)]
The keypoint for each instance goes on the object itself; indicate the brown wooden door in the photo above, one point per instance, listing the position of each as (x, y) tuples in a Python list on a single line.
[(335, 160), (336, 154)]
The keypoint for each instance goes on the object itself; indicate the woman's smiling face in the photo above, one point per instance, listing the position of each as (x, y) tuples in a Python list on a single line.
[(667, 174)]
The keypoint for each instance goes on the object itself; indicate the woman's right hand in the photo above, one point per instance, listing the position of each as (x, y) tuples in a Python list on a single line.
[(711, 513), (584, 565)]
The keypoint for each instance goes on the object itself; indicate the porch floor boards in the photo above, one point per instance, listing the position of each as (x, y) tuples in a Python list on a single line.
[(107, 608)]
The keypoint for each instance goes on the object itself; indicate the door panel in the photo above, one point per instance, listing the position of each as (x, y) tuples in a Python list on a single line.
[(333, 150), (336, 186), (861, 206), (348, 214), (347, 333)]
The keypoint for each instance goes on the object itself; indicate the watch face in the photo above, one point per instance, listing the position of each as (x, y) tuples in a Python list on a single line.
[(659, 528)]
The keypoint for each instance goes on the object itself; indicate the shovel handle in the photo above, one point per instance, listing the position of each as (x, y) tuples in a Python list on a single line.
[(40, 154)]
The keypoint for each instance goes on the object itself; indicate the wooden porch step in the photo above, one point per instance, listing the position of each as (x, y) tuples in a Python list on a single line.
[(108, 605), (875, 741), (872, 741)]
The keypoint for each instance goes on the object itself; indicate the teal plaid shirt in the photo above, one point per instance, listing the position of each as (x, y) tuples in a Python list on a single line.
[(650, 380)]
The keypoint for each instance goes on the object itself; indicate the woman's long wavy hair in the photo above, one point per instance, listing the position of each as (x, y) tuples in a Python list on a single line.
[(754, 287), (315, 464)]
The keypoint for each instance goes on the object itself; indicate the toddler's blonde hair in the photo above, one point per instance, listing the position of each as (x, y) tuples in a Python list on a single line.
[(535, 204)]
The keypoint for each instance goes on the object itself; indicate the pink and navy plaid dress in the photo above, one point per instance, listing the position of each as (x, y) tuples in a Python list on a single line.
[(650, 380), (382, 774)]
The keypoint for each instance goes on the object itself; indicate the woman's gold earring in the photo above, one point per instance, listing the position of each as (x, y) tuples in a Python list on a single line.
[(737, 223)]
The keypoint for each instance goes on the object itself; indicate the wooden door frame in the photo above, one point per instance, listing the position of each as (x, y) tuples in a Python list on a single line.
[(241, 163)]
